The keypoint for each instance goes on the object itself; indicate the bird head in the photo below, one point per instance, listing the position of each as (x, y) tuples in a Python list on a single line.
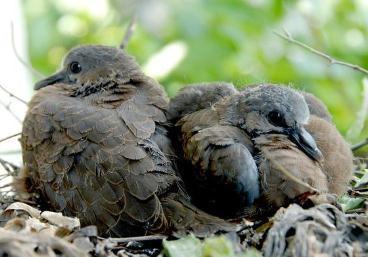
[(93, 64), (274, 109)]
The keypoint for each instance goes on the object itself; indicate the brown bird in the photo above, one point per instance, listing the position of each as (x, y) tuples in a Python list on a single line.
[(270, 124), (287, 172), (195, 97), (94, 147)]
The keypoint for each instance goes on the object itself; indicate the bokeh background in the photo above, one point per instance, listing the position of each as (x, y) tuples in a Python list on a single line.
[(186, 41)]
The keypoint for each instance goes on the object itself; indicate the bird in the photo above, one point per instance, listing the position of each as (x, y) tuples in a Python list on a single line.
[(95, 146), (262, 146), (198, 96), (280, 161), (211, 149)]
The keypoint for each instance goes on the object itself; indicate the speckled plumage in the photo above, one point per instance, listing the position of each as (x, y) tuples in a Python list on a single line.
[(94, 147)]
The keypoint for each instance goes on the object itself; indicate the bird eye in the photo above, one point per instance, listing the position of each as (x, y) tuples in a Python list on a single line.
[(75, 67), (276, 118)]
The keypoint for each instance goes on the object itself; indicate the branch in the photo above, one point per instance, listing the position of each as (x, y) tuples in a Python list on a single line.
[(38, 74), (9, 137), (128, 33), (12, 95), (287, 36), (6, 106), (137, 239), (359, 145)]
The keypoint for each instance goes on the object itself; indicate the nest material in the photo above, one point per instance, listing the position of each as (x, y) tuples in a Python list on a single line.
[(323, 230)]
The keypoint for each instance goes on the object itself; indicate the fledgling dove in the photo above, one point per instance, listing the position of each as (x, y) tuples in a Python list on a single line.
[(231, 144), (195, 97), (287, 172), (94, 147), (215, 154)]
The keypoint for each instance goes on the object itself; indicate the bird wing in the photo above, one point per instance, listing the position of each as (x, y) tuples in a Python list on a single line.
[(337, 156), (220, 155), (95, 163), (286, 172)]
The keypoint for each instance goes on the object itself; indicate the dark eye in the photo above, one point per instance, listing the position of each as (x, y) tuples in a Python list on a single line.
[(75, 67), (276, 119)]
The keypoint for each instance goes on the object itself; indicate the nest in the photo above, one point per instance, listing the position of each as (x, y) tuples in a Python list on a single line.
[(322, 230)]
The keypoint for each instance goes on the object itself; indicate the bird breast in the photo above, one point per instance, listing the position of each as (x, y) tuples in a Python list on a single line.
[(285, 171)]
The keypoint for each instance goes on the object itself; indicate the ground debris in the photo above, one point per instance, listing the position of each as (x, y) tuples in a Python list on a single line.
[(27, 231), (323, 230)]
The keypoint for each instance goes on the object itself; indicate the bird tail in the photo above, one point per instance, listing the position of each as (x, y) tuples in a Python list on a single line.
[(185, 218)]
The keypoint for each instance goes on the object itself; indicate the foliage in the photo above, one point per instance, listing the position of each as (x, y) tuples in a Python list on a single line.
[(357, 199), (222, 40), (219, 246)]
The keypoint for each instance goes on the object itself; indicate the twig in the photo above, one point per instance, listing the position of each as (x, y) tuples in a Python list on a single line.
[(9, 137), (128, 33), (287, 36), (7, 107), (6, 166), (12, 95), (356, 193), (359, 145), (6, 185), (38, 74), (288, 174), (137, 239)]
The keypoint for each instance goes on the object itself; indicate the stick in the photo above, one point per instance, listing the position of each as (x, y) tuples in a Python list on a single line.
[(12, 95), (287, 36), (137, 239), (6, 106), (9, 137), (128, 33), (38, 74), (5, 164), (359, 145)]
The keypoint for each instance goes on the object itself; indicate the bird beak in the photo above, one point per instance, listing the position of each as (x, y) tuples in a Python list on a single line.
[(57, 77), (306, 143)]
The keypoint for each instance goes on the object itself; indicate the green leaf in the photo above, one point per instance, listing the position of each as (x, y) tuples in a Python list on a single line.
[(218, 247), (363, 179), (348, 203), (251, 253), (189, 246)]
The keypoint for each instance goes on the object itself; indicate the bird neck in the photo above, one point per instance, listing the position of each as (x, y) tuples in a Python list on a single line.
[(113, 93)]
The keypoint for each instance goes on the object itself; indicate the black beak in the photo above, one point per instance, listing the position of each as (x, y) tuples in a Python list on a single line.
[(305, 142), (57, 77)]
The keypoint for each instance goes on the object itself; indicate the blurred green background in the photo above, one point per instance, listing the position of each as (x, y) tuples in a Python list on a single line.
[(186, 41)]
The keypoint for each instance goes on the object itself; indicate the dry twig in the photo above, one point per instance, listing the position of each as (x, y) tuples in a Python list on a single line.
[(124, 240), (13, 96), (9, 167), (9, 137), (128, 34), (288, 37), (359, 145), (38, 74), (7, 107)]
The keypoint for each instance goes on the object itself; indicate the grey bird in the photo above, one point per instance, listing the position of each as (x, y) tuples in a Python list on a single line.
[(94, 147), (334, 170), (232, 144), (195, 97)]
